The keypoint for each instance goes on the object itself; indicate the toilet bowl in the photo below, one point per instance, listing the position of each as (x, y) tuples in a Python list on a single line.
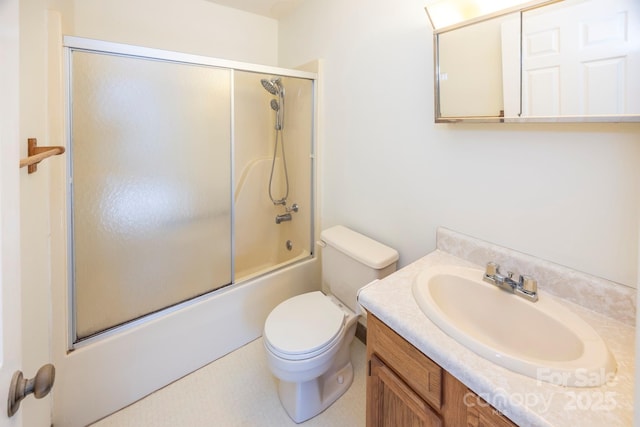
[(311, 360), (307, 338)]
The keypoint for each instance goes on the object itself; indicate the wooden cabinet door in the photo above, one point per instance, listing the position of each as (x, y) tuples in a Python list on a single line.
[(480, 414), (391, 403)]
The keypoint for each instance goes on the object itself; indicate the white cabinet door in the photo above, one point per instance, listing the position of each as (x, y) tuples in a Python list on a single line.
[(581, 58)]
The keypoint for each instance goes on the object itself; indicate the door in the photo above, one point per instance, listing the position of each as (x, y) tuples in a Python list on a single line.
[(10, 322), (149, 188), (392, 403), (579, 58)]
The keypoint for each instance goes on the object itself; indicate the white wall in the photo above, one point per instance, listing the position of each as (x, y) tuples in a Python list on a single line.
[(567, 193), (190, 26)]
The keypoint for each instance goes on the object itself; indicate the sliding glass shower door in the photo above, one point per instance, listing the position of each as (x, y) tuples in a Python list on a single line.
[(150, 186)]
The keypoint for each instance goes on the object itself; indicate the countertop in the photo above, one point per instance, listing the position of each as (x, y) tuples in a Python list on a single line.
[(526, 401)]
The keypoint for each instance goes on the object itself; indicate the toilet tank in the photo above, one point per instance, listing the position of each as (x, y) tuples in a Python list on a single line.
[(351, 260)]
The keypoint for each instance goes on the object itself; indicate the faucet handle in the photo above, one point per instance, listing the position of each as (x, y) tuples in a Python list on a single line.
[(529, 284), (492, 269)]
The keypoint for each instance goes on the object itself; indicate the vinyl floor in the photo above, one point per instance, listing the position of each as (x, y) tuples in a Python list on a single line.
[(238, 390)]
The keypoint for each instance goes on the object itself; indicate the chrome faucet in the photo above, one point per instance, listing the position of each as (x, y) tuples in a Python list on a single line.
[(525, 287), (294, 208), (283, 217), (287, 216)]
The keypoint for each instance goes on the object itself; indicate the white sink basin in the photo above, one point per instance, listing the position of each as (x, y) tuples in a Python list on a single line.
[(543, 340)]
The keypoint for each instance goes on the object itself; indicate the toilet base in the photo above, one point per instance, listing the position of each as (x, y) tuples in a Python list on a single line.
[(305, 400)]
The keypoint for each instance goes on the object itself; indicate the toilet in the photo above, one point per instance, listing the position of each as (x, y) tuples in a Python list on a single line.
[(307, 338)]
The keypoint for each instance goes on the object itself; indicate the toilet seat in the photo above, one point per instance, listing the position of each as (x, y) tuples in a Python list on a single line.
[(304, 326)]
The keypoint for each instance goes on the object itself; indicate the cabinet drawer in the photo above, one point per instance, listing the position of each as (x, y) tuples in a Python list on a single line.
[(414, 368)]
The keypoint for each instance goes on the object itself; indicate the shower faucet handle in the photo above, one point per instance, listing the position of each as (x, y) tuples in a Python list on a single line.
[(294, 208)]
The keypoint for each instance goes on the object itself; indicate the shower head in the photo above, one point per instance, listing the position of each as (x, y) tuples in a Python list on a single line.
[(272, 86), (275, 87)]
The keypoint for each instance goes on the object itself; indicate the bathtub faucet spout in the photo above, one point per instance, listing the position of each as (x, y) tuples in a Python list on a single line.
[(283, 217)]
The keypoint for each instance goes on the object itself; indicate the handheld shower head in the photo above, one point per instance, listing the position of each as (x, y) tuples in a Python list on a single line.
[(276, 88), (272, 86)]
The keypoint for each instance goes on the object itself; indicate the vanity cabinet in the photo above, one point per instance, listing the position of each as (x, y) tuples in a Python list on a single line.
[(407, 389)]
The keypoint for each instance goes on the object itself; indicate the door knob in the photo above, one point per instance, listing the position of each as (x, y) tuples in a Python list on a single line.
[(40, 386)]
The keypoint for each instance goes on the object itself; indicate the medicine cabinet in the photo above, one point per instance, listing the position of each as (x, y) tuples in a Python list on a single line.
[(559, 61)]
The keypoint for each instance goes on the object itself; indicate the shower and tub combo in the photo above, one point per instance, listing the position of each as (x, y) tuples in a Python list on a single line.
[(175, 175), (275, 87), (174, 211), (274, 186)]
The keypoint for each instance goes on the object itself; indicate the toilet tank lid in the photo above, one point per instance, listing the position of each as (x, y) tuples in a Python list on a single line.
[(362, 248)]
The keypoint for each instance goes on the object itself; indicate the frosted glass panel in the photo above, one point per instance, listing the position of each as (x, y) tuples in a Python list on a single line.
[(150, 186)]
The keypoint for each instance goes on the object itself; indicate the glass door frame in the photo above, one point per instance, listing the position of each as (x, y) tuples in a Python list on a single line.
[(72, 43)]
